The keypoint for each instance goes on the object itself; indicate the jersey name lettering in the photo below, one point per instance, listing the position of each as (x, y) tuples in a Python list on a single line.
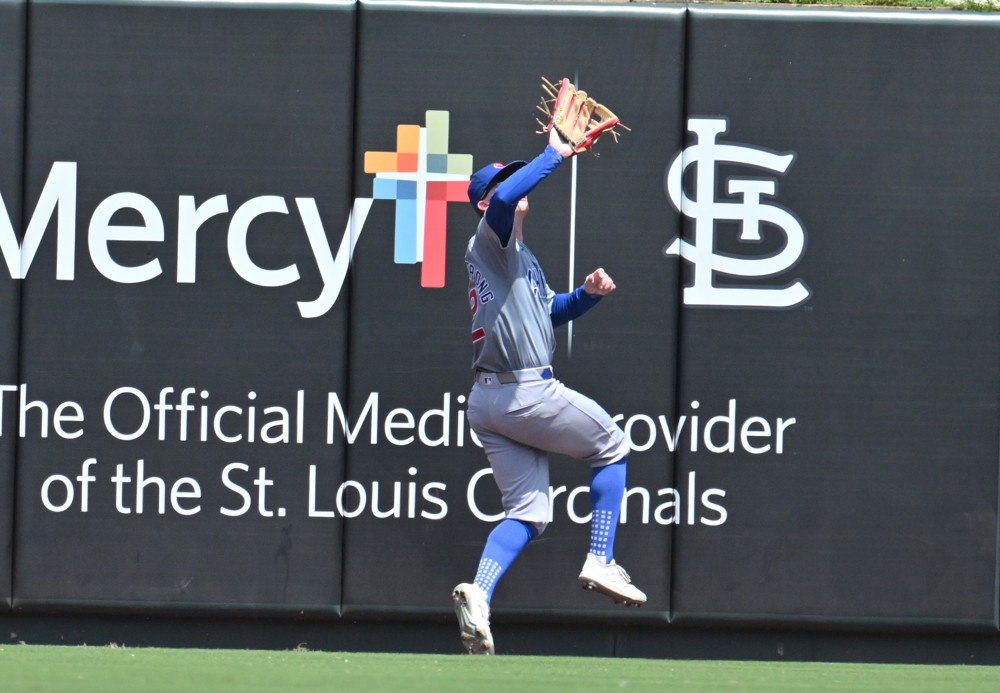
[(481, 286)]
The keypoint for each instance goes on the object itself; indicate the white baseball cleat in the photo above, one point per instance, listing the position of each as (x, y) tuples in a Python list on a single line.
[(473, 612), (612, 580)]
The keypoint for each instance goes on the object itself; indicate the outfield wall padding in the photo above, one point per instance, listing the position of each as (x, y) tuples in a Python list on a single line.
[(240, 348), (218, 132), (884, 497), (12, 73)]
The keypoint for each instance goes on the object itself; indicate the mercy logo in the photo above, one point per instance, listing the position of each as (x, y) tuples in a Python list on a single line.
[(744, 214), (422, 177)]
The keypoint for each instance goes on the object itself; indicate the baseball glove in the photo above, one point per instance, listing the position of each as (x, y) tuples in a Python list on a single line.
[(578, 118)]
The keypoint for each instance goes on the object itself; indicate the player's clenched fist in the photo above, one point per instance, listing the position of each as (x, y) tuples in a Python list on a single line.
[(598, 283)]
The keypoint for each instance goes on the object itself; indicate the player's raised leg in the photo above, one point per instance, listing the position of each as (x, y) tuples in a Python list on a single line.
[(586, 432), (600, 572)]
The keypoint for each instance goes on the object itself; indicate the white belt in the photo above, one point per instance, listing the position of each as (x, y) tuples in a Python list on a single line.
[(525, 375)]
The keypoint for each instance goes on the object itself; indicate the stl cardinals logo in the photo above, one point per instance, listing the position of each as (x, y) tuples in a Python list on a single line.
[(744, 213)]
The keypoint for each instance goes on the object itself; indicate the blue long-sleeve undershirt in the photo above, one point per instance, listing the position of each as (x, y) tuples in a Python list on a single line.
[(500, 213), (570, 306)]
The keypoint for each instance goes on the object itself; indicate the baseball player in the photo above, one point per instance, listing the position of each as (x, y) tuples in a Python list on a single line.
[(517, 407)]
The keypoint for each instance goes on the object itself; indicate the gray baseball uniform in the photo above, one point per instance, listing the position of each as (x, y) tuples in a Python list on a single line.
[(517, 409)]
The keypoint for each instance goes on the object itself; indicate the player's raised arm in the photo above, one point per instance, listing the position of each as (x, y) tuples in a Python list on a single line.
[(505, 198)]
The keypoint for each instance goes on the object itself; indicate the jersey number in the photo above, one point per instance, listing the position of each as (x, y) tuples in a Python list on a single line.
[(478, 333)]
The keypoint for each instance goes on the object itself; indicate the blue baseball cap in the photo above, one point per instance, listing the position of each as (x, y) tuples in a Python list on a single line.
[(488, 176)]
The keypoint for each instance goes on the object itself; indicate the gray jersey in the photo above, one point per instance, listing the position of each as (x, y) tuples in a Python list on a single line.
[(510, 303)]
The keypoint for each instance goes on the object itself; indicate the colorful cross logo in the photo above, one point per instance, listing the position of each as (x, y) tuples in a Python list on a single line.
[(422, 177)]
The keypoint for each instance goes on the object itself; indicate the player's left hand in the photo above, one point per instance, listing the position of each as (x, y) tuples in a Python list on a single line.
[(557, 142), (598, 283)]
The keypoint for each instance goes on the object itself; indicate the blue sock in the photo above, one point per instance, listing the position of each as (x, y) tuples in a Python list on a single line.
[(504, 544), (607, 488)]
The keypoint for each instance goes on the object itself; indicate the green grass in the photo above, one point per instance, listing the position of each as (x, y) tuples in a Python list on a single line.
[(30, 668)]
